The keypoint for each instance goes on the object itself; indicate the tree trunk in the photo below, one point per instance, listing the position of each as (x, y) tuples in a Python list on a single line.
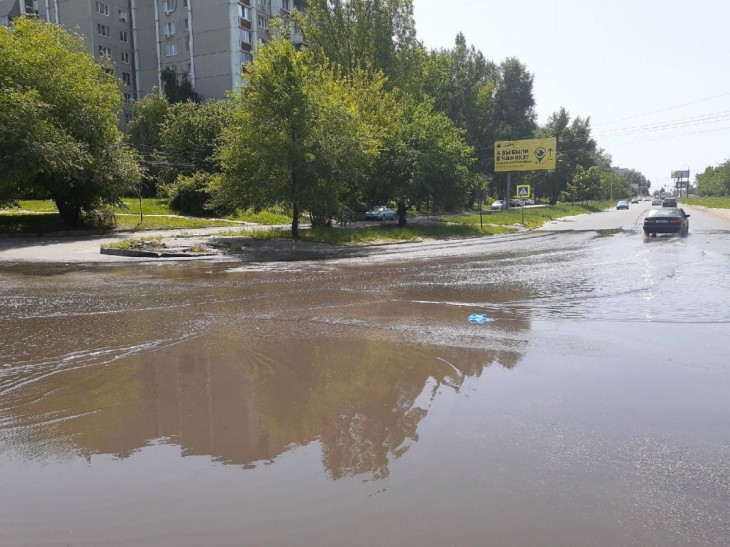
[(295, 222), (70, 213)]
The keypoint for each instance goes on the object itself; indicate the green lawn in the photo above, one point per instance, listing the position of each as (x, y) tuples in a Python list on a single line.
[(714, 202), (533, 217), (381, 234)]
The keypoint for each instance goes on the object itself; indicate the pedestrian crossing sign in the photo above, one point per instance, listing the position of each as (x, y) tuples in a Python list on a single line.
[(523, 191)]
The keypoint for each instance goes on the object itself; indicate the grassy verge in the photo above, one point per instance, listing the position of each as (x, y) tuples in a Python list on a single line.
[(388, 233), (533, 217), (30, 223), (146, 243), (713, 203), (131, 222)]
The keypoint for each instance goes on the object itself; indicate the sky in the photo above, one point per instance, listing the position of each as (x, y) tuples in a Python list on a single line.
[(653, 76)]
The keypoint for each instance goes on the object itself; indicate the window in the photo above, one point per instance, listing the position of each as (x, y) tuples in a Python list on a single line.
[(127, 117), (263, 22), (127, 78), (168, 6), (127, 97), (4, 21), (244, 12), (103, 30), (246, 58), (246, 36), (105, 52), (124, 36), (170, 50), (187, 24), (170, 28), (187, 47), (285, 5), (124, 57), (102, 8), (123, 16)]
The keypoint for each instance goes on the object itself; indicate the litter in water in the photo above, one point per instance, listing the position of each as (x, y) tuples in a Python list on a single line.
[(480, 318)]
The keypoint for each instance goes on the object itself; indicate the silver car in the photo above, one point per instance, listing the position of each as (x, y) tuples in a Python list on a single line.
[(381, 212)]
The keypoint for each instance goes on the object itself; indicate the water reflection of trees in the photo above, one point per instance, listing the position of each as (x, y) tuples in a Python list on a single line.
[(244, 399)]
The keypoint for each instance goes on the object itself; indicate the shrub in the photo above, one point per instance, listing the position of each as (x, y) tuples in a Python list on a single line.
[(191, 194)]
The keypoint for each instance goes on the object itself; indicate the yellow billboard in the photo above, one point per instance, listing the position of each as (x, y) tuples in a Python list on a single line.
[(525, 155)]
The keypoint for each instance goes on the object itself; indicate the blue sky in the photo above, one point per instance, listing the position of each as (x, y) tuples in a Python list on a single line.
[(653, 76)]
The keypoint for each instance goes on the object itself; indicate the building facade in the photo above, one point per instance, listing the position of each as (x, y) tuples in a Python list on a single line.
[(208, 42)]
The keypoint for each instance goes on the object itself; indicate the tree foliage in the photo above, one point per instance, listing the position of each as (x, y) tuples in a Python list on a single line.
[(176, 90), (58, 121), (297, 139), (370, 35), (715, 181), (576, 148), (462, 83)]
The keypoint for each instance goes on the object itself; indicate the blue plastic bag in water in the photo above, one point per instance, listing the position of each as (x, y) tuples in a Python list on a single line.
[(477, 318)]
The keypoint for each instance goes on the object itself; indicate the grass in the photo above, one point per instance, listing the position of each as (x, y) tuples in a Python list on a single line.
[(37, 217), (380, 234), (125, 222), (30, 223), (146, 243), (713, 202), (150, 206), (533, 217)]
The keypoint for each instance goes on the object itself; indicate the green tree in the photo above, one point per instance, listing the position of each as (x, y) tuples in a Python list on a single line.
[(148, 115), (715, 181), (297, 137), (178, 91), (371, 35), (575, 147), (144, 134), (58, 121), (462, 83), (189, 135), (585, 186)]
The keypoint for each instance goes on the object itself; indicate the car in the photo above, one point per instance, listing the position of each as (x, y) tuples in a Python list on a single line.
[(656, 201), (516, 202), (647, 198), (498, 205), (634, 200), (623, 204), (381, 212), (529, 201), (669, 202), (667, 220)]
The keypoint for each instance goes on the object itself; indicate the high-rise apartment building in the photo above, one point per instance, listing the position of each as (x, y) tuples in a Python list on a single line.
[(209, 42)]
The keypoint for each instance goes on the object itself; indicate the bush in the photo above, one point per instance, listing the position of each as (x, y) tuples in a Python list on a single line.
[(101, 218), (191, 194)]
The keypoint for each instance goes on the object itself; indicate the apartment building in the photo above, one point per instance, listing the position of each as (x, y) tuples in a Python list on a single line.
[(209, 42)]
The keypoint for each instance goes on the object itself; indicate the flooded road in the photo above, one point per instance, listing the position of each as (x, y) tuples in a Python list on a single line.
[(351, 402)]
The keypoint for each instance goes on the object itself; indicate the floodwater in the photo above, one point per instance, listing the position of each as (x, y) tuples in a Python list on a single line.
[(351, 402)]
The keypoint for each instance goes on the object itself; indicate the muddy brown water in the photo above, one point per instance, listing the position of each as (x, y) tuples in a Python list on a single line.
[(351, 402)]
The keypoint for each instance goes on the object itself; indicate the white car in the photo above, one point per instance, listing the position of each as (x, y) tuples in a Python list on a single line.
[(380, 212)]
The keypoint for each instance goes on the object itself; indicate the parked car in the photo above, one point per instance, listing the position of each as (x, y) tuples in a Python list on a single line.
[(623, 204), (381, 212), (516, 203), (656, 201), (667, 220), (634, 199), (647, 198), (669, 202), (529, 201), (498, 205)]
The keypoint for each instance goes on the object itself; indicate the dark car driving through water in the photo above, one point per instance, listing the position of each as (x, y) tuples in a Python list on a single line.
[(667, 220)]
